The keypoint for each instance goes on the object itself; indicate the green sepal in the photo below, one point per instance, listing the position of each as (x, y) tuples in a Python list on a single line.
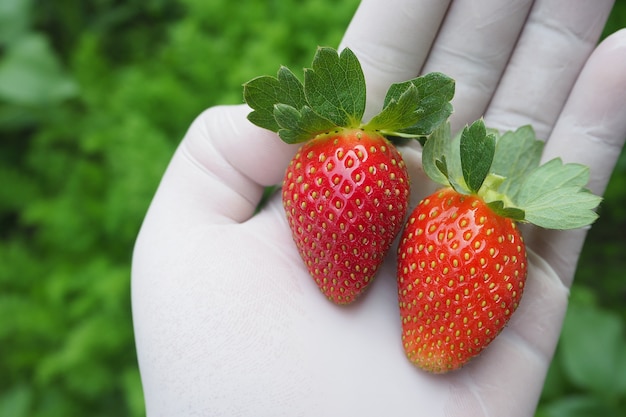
[(517, 154), (434, 150), (263, 93), (441, 160), (565, 208), (431, 109), (299, 126), (435, 91), (477, 149), (504, 171), (335, 87), (453, 162), (550, 176), (554, 196), (513, 213), (332, 97), (442, 167), (397, 113)]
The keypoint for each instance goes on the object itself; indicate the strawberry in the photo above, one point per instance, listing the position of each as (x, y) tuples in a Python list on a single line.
[(461, 271), (346, 190), (462, 262), (346, 198)]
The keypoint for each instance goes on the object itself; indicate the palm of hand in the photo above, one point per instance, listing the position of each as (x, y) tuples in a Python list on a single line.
[(228, 322)]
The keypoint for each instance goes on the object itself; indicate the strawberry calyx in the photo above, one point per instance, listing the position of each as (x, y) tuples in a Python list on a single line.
[(505, 171), (333, 96)]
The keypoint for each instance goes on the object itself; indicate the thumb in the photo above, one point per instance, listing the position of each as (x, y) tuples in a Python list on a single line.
[(221, 167)]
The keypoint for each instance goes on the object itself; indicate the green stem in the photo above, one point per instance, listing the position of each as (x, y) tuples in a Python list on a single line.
[(489, 190)]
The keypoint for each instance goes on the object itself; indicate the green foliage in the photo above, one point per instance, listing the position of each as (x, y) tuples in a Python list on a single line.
[(405, 117), (94, 97), (333, 97), (588, 375), (334, 86), (551, 195), (477, 149)]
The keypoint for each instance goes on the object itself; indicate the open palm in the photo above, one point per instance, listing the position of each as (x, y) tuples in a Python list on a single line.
[(227, 320)]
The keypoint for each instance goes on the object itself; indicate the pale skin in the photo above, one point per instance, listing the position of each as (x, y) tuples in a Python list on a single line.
[(227, 320)]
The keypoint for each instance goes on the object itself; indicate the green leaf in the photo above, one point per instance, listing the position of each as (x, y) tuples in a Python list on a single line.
[(435, 91), (477, 149), (591, 362), (265, 92), (433, 154), (555, 384), (440, 159), (17, 401), (31, 74), (442, 166), (619, 387), (297, 126), (335, 87), (562, 209), (553, 174), (517, 154), (453, 165), (398, 113), (15, 17), (579, 406), (553, 196), (510, 212), (333, 96)]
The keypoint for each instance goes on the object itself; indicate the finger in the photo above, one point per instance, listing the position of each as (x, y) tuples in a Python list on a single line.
[(557, 39), (473, 47), (391, 39), (592, 127), (219, 171), (590, 130)]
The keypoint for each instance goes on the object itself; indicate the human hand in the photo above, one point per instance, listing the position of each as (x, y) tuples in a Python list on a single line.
[(227, 320)]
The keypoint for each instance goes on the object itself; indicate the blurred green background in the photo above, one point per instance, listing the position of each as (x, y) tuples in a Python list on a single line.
[(94, 97)]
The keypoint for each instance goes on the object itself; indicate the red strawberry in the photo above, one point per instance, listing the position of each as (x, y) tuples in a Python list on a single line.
[(346, 191), (346, 198), (461, 260), (461, 274)]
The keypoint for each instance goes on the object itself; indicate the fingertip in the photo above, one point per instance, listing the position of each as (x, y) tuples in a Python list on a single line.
[(616, 39), (608, 61)]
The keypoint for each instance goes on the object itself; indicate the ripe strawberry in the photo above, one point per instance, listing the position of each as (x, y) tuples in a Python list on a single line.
[(346, 197), (461, 260), (461, 274), (346, 191)]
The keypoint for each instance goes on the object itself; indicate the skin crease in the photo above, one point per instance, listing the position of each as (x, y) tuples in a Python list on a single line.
[(227, 320)]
